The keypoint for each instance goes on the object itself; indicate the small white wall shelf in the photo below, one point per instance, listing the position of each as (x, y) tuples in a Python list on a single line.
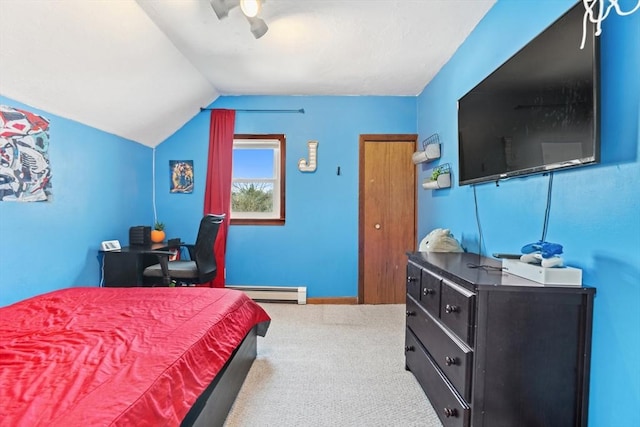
[(442, 179), (430, 150)]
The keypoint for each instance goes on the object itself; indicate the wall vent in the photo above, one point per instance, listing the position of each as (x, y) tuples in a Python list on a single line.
[(290, 294)]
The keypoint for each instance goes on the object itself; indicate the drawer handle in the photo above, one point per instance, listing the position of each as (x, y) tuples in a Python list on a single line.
[(409, 348), (428, 291), (451, 308), (450, 412), (450, 361), (410, 313), (412, 279)]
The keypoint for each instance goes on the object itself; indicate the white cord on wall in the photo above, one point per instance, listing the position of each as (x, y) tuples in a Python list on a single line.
[(102, 273), (153, 186)]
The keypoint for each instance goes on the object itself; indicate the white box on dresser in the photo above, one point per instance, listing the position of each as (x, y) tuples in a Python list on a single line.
[(565, 276)]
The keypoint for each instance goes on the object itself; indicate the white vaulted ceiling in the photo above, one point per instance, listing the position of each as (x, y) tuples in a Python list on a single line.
[(142, 69)]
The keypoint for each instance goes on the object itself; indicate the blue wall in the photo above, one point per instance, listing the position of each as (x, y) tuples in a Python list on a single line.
[(101, 185), (595, 211), (318, 245)]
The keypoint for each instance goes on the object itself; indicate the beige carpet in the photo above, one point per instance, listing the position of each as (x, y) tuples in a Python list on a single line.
[(332, 365)]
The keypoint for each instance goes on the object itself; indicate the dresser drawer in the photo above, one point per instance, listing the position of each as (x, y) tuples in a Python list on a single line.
[(454, 358), (430, 292), (413, 280), (422, 324), (457, 310), (451, 409)]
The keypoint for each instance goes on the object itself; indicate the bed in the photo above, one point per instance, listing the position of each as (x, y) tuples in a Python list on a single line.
[(126, 356)]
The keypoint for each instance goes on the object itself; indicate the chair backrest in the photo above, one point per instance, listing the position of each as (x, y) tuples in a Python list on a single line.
[(204, 253)]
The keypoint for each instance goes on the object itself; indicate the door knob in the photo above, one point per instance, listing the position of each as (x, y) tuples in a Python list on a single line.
[(377, 226)]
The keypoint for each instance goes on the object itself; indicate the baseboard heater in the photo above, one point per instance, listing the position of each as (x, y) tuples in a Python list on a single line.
[(290, 294)]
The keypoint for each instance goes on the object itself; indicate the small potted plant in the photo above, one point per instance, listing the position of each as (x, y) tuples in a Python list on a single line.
[(157, 234), (440, 178)]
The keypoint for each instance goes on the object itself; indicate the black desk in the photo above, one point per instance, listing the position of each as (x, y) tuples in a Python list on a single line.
[(124, 268)]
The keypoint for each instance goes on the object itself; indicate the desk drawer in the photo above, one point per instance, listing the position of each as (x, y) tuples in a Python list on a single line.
[(452, 411), (457, 310), (452, 356)]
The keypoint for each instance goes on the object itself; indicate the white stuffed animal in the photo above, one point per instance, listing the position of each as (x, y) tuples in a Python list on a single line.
[(440, 240)]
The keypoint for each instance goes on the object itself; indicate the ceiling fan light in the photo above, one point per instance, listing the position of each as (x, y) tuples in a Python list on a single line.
[(258, 27), (250, 8)]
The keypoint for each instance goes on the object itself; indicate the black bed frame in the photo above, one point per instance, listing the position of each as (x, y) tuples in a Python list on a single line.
[(213, 405)]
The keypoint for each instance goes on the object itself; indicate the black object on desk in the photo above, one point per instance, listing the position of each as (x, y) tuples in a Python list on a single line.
[(124, 268), (140, 235), (174, 242)]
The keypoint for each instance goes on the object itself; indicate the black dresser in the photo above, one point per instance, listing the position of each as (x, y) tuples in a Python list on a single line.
[(492, 349)]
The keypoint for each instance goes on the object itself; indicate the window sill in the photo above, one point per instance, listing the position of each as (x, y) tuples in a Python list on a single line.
[(243, 221)]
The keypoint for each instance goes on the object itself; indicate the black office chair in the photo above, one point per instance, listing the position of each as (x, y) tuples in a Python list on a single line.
[(201, 266)]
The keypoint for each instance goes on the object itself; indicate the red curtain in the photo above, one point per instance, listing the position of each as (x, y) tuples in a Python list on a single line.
[(217, 196)]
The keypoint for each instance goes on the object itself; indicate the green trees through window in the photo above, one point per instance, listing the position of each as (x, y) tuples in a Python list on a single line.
[(252, 197)]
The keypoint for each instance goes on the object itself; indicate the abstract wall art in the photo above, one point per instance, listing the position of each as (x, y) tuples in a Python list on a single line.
[(25, 173)]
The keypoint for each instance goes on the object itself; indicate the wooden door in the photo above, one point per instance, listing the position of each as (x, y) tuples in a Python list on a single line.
[(387, 217)]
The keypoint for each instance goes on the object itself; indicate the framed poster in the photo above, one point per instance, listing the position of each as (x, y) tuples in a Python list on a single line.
[(25, 173), (181, 176)]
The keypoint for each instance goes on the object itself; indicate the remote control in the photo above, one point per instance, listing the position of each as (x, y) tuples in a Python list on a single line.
[(507, 256)]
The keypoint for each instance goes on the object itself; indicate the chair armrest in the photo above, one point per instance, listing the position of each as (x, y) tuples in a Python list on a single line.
[(163, 260), (161, 253), (190, 247)]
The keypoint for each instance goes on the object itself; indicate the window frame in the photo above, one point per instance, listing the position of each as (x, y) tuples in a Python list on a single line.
[(279, 181)]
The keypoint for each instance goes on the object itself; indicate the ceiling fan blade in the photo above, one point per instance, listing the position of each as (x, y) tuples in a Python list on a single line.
[(222, 7)]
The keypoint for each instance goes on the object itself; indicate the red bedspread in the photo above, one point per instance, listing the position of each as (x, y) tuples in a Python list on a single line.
[(116, 356)]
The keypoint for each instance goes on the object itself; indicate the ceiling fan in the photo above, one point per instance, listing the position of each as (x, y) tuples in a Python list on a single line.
[(250, 9)]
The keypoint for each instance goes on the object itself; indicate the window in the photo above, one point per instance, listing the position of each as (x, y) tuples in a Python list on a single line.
[(257, 185)]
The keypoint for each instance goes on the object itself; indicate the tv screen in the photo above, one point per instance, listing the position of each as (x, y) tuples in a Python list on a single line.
[(537, 112)]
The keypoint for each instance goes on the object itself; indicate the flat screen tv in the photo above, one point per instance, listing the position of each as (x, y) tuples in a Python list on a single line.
[(536, 113)]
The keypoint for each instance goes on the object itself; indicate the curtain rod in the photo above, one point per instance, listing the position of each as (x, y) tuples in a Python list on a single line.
[(301, 110)]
